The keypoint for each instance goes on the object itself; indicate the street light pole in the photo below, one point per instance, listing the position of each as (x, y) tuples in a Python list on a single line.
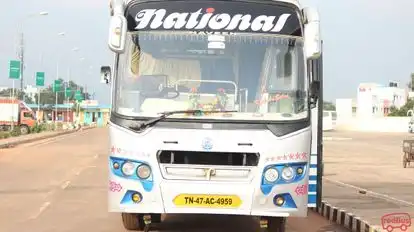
[(21, 58), (75, 49), (22, 49), (38, 91), (56, 92), (82, 59), (56, 95)]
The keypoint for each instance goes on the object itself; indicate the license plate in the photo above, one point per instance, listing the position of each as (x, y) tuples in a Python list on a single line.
[(208, 201)]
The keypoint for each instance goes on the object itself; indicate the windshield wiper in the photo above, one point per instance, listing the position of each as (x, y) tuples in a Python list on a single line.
[(164, 115)]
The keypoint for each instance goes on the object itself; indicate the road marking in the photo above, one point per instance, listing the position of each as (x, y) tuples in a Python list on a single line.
[(41, 210), (80, 170), (65, 185), (76, 171), (378, 195), (49, 194), (335, 138)]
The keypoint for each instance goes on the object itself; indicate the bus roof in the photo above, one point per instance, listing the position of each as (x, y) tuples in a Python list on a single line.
[(294, 2)]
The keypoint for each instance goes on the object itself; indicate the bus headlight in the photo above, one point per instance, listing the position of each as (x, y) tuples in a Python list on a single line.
[(143, 171), (271, 175), (128, 168), (288, 173)]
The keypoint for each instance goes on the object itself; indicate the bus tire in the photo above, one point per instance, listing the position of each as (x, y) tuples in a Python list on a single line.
[(276, 224), (133, 221)]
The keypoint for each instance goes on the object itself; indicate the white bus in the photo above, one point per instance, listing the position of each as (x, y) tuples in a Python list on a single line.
[(214, 104)]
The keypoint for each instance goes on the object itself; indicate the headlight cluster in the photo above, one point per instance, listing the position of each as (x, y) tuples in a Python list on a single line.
[(128, 168), (134, 170), (279, 174), (287, 173)]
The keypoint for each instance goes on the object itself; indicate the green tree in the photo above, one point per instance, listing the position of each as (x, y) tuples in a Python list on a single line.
[(410, 85), (329, 106), (48, 97), (403, 110), (18, 94)]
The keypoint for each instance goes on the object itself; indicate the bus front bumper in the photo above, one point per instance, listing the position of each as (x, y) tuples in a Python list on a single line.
[(197, 197)]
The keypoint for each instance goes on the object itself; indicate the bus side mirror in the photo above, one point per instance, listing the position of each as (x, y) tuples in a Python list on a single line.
[(314, 91), (312, 33), (117, 33), (105, 74)]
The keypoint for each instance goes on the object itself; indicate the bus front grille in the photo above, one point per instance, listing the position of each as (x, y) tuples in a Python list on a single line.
[(208, 158)]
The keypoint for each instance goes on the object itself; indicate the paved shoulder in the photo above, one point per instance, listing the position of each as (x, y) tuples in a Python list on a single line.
[(365, 177)]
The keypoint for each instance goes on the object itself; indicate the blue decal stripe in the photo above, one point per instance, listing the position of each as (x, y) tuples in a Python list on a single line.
[(312, 199), (312, 187)]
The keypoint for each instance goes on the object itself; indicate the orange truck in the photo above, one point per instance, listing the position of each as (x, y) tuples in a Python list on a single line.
[(14, 112)]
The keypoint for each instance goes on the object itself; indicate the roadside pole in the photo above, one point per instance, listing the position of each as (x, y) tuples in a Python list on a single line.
[(15, 73), (40, 82)]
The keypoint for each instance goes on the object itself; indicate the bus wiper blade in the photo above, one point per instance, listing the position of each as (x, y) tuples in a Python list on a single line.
[(168, 113)]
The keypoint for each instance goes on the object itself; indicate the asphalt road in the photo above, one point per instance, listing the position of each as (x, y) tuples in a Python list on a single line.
[(61, 185)]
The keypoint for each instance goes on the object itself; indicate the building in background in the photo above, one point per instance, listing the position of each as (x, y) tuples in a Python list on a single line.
[(344, 108), (376, 100), (91, 112), (31, 91)]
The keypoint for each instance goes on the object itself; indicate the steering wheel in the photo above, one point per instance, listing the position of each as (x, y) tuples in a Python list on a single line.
[(162, 93)]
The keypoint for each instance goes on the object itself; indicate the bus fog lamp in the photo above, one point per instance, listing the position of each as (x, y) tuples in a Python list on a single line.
[(288, 173), (128, 169), (279, 200), (143, 171), (136, 197), (299, 170), (116, 165), (271, 175)]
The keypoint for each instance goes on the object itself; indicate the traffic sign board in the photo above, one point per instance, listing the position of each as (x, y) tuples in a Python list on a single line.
[(14, 69), (57, 85), (79, 95), (40, 79), (68, 92)]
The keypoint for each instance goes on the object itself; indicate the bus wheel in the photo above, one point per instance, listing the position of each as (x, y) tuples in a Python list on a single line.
[(133, 221), (276, 224)]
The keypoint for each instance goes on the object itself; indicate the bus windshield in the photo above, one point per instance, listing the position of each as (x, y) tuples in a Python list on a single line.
[(260, 75)]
